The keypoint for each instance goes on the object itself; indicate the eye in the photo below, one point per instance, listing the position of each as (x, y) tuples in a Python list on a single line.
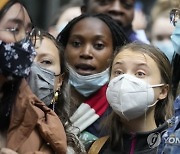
[(118, 72), (14, 30), (76, 44), (46, 62), (99, 46), (128, 4), (140, 74)]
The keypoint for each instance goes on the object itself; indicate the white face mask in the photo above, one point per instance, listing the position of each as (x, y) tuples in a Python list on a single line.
[(129, 96), (87, 85)]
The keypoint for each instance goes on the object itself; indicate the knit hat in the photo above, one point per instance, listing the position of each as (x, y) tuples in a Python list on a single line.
[(3, 3)]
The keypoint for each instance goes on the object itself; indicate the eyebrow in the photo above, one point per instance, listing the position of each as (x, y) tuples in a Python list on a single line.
[(82, 36), (118, 63), (18, 21), (41, 55), (137, 64)]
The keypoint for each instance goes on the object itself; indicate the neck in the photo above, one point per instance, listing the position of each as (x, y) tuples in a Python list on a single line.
[(142, 124)]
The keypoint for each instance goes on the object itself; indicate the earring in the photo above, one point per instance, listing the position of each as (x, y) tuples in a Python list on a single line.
[(55, 99)]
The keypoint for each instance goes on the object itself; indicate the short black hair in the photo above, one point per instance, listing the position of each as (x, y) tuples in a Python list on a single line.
[(118, 36)]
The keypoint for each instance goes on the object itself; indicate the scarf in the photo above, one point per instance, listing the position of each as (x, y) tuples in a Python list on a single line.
[(90, 110)]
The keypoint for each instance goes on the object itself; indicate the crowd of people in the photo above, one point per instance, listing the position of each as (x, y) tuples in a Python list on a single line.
[(97, 85)]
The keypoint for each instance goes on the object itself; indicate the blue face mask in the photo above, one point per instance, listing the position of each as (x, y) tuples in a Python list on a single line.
[(87, 85), (166, 47), (175, 37)]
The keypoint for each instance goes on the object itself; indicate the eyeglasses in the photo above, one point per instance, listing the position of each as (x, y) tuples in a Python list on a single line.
[(174, 16), (12, 32), (35, 35), (16, 33)]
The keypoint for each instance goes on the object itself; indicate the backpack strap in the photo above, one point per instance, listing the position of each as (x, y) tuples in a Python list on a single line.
[(97, 145)]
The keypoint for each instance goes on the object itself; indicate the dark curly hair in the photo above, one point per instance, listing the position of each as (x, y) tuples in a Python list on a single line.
[(118, 36)]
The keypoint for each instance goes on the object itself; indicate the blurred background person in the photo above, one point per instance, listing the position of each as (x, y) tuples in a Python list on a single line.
[(161, 31), (161, 28), (121, 11), (43, 11), (63, 15), (140, 21)]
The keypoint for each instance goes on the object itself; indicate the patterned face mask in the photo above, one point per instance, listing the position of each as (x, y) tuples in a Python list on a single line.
[(16, 58)]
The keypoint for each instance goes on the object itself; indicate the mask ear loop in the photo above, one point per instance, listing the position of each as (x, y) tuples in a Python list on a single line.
[(154, 86), (149, 106), (153, 104)]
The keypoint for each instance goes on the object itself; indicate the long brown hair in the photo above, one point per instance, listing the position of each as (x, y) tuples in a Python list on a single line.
[(163, 109), (61, 106)]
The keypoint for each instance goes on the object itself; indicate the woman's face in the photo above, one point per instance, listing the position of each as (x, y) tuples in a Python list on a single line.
[(122, 11), (15, 24), (139, 65), (160, 32), (48, 58), (89, 46)]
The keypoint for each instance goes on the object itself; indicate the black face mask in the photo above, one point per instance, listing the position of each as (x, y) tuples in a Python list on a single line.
[(16, 58)]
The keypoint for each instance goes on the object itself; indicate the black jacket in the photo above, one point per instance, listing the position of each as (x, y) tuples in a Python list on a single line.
[(139, 143)]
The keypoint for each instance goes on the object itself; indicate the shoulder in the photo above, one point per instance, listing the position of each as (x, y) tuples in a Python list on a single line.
[(171, 138), (98, 145), (177, 106)]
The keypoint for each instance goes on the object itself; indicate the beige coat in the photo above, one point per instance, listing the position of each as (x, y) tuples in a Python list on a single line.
[(34, 128)]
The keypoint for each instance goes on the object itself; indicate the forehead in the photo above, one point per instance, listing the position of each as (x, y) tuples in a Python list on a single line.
[(47, 46), (92, 26), (131, 58), (159, 28), (16, 11), (89, 2)]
